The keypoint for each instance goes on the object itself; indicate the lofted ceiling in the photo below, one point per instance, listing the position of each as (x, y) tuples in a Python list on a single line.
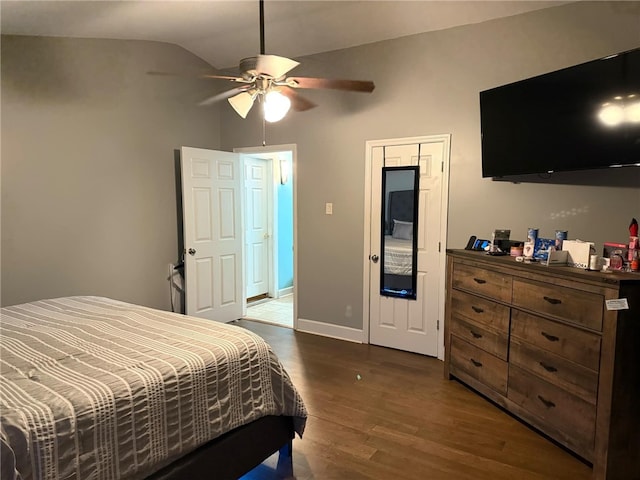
[(222, 32)]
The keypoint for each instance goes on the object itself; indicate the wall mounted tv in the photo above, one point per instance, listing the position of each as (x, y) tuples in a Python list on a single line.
[(582, 117)]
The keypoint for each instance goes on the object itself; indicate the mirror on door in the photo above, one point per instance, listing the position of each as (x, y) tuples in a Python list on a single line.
[(399, 237)]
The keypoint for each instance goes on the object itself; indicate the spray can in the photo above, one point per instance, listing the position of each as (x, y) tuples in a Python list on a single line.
[(561, 235)]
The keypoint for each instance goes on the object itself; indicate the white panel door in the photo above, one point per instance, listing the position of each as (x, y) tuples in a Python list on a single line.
[(211, 199), (257, 178), (410, 325)]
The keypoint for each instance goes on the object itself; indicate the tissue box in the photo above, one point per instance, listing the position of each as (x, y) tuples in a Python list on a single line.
[(578, 252), (557, 257)]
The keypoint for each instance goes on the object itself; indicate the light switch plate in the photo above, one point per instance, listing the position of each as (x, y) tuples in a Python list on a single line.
[(328, 208)]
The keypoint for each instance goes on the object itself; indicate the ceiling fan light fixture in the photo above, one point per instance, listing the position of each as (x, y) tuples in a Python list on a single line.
[(265, 77), (276, 106), (243, 102)]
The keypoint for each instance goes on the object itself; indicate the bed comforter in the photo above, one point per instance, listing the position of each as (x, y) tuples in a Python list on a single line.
[(93, 388), (398, 256)]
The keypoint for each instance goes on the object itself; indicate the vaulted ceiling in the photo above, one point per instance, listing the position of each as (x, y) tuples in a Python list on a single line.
[(222, 32)]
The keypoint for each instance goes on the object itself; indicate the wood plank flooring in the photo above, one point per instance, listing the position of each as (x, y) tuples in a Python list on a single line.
[(378, 413)]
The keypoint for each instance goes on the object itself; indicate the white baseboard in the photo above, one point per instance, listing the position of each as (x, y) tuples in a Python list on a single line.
[(329, 330), (285, 291)]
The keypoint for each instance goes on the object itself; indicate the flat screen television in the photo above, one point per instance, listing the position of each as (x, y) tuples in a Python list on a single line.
[(582, 117)]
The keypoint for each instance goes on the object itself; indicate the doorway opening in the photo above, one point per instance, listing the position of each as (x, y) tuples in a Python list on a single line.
[(269, 233)]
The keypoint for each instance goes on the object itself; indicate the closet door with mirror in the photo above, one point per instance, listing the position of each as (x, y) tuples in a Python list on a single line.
[(406, 266)]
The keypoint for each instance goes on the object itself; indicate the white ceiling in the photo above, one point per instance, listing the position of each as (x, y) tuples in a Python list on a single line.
[(223, 32)]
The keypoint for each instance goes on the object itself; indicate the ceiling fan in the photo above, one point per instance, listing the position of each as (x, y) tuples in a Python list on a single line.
[(264, 78)]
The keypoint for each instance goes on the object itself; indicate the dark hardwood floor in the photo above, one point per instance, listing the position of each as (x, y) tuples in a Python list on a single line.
[(378, 413)]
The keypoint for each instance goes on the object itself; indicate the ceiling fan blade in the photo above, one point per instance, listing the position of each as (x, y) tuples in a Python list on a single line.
[(222, 77), (272, 65), (243, 102), (298, 102), (335, 84), (222, 96), (200, 75)]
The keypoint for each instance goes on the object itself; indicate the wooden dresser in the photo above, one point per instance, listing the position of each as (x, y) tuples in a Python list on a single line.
[(542, 343)]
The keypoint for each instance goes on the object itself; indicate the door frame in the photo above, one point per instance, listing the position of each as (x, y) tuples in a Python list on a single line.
[(263, 152), (445, 139)]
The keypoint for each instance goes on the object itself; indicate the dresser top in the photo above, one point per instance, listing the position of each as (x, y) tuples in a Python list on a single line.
[(613, 278)]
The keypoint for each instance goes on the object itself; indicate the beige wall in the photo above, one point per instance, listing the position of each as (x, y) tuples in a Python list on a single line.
[(88, 182), (429, 84)]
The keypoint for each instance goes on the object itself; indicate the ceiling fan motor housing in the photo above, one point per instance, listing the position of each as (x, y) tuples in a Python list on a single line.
[(248, 67)]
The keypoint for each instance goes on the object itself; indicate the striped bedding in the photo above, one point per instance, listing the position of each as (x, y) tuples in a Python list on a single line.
[(398, 256), (93, 388)]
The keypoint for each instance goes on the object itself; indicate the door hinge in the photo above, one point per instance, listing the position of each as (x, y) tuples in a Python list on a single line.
[(439, 246), (437, 324), (442, 167)]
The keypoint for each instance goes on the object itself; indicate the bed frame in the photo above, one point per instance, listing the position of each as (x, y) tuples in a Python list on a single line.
[(237, 452)]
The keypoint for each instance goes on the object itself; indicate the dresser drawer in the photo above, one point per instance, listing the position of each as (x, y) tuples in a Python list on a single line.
[(481, 281), (479, 364), (563, 340), (487, 339), (575, 306), (554, 406), (570, 376), (480, 310)]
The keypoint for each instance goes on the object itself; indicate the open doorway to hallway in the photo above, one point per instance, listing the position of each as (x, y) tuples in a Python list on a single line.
[(269, 233)]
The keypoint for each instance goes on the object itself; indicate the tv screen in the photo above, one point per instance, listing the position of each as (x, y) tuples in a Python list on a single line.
[(582, 117)]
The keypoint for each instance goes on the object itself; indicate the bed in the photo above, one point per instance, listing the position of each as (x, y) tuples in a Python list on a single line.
[(398, 241), (94, 388)]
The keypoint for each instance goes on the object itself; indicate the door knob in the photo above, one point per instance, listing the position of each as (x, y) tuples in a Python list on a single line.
[(374, 258), (192, 251)]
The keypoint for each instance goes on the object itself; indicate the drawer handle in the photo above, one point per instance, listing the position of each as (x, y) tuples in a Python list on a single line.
[(545, 402), (475, 335), (475, 362), (479, 280), (548, 368), (477, 309), (551, 338), (552, 301)]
